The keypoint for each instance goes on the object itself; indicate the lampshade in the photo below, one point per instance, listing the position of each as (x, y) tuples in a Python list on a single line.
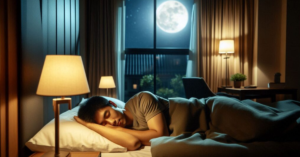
[(226, 46), (107, 82), (63, 75)]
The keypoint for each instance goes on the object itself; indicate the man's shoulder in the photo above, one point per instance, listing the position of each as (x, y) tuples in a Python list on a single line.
[(144, 98), (146, 93)]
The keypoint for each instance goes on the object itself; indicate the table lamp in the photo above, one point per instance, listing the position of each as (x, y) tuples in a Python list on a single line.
[(226, 46), (62, 75), (107, 82)]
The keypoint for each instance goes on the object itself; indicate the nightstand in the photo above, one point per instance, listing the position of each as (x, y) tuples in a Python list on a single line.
[(36, 154), (84, 154), (253, 93), (72, 154)]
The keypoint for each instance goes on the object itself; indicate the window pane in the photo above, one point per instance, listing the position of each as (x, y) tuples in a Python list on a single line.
[(138, 74), (139, 24), (173, 23), (170, 69)]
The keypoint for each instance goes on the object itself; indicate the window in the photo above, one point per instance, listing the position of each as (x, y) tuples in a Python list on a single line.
[(157, 38)]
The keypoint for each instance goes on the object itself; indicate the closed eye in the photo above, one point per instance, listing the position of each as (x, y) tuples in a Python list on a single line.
[(106, 114)]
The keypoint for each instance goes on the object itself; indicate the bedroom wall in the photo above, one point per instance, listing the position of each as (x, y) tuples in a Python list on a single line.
[(293, 45), (271, 41), (47, 27)]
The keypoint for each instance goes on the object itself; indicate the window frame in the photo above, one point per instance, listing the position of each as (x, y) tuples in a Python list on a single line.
[(154, 51)]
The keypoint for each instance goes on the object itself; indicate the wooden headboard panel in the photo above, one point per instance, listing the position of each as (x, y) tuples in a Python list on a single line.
[(9, 52)]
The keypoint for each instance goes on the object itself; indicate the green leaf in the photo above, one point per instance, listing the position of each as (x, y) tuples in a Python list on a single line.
[(238, 77)]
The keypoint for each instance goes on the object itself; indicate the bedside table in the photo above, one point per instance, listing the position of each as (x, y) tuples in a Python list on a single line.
[(72, 154), (252, 93), (37, 154), (84, 154)]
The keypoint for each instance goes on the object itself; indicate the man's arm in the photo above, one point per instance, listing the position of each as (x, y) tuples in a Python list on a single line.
[(157, 127), (122, 138)]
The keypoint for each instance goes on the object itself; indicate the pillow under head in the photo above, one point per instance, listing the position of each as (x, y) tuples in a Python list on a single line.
[(73, 136)]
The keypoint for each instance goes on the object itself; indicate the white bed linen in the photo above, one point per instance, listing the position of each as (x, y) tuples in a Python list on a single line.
[(143, 152)]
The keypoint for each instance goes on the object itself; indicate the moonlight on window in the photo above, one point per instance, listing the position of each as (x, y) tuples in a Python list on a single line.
[(171, 16)]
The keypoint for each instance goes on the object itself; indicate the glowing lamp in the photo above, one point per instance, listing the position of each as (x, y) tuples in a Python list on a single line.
[(226, 46), (107, 82), (62, 75)]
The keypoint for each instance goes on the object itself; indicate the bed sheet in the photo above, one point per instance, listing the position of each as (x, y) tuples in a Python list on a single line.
[(230, 127), (143, 152)]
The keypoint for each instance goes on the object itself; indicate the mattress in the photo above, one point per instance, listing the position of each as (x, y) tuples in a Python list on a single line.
[(143, 152)]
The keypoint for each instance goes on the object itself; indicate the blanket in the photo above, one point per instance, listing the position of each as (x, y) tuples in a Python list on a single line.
[(221, 126)]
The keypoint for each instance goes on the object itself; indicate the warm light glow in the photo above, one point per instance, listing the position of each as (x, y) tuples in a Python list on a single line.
[(107, 82), (226, 46), (134, 86), (63, 75), (171, 16)]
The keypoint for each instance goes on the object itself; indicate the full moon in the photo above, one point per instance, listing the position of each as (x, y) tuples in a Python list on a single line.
[(171, 16)]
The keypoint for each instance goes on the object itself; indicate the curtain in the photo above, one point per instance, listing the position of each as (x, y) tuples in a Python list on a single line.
[(9, 15), (192, 67), (224, 19), (103, 48), (120, 53)]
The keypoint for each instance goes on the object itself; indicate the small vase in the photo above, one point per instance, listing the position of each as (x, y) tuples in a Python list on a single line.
[(237, 84)]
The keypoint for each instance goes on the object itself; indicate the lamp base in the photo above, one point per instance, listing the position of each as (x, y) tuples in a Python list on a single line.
[(52, 154), (226, 86)]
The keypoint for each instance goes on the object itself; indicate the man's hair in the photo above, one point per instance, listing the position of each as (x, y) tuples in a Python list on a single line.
[(88, 109)]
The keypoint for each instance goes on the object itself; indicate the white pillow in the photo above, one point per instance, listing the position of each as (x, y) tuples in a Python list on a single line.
[(118, 102), (73, 136)]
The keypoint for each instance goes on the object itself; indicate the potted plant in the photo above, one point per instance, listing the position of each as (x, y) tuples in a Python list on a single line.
[(237, 79)]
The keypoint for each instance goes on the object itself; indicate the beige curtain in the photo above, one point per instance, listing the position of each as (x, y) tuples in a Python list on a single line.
[(9, 15), (225, 19), (101, 48)]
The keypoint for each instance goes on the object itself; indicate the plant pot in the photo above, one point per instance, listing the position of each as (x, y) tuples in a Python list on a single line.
[(237, 84)]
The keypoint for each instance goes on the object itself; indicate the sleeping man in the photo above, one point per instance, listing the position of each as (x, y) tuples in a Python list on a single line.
[(141, 120), (147, 116)]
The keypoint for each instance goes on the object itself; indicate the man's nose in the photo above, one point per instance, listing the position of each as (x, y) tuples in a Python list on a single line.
[(111, 122)]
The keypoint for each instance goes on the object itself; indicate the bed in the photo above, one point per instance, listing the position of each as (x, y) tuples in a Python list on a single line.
[(278, 135)]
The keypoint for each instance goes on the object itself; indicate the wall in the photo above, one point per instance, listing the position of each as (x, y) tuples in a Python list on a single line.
[(293, 45), (271, 41), (47, 27)]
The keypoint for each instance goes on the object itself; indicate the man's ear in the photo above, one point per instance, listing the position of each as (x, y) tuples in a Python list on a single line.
[(113, 103)]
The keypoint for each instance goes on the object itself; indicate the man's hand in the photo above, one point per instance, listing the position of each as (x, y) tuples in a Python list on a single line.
[(80, 121)]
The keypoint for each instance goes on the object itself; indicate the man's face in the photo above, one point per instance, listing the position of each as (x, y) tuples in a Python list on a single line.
[(110, 116)]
